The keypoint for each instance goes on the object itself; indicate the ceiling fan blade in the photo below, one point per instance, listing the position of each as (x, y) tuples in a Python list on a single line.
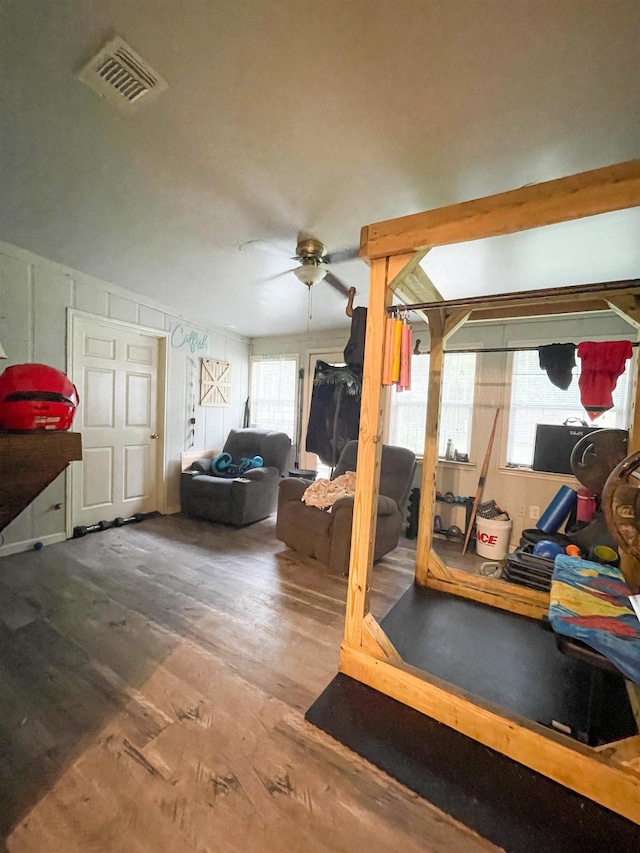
[(270, 246), (340, 286), (274, 276), (342, 255)]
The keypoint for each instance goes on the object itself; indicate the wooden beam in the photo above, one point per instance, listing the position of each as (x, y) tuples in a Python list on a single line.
[(401, 266), (569, 297), (627, 307), (437, 568), (369, 454), (442, 324), (430, 455), (499, 597), (633, 691), (376, 641), (538, 309), (556, 756), (625, 751), (547, 203)]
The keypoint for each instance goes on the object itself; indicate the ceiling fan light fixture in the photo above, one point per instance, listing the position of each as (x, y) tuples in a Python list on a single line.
[(310, 273)]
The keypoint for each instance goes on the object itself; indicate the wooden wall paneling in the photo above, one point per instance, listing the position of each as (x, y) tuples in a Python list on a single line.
[(369, 455), (574, 197), (577, 767)]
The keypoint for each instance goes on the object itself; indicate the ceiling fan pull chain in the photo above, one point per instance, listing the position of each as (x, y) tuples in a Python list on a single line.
[(310, 312)]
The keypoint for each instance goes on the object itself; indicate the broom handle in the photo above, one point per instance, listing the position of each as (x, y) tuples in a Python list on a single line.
[(479, 490)]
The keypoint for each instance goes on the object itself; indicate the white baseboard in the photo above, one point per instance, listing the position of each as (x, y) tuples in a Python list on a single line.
[(27, 545)]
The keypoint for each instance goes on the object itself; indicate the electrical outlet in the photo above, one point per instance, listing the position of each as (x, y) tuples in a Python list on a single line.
[(534, 512), (522, 511)]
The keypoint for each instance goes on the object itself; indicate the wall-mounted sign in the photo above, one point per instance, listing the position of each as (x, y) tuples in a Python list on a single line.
[(215, 383), (182, 336)]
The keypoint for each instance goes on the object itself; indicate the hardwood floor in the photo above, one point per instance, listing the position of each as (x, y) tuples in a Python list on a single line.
[(154, 680)]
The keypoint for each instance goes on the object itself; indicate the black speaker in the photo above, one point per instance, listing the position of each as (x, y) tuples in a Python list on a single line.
[(553, 446)]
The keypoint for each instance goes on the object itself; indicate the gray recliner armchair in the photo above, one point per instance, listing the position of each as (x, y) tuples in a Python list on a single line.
[(327, 535), (243, 499)]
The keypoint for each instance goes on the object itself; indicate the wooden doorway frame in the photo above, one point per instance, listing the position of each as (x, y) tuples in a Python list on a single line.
[(609, 775)]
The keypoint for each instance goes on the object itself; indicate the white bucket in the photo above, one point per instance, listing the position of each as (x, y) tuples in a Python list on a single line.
[(492, 537)]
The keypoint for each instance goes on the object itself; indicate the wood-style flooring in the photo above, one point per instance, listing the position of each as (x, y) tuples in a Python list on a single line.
[(153, 685)]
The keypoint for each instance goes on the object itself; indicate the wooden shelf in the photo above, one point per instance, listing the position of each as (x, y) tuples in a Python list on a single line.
[(28, 463)]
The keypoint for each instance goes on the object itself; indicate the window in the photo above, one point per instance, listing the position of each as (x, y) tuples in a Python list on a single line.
[(535, 400), (409, 408), (273, 393)]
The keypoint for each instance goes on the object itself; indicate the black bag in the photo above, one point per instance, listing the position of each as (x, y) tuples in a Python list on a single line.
[(554, 443)]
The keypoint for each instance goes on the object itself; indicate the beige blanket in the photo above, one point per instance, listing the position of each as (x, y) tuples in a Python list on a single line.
[(324, 493)]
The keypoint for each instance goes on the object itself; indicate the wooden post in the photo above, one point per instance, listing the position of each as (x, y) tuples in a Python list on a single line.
[(430, 457), (365, 509), (441, 327)]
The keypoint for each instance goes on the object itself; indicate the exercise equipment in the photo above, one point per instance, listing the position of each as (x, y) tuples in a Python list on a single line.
[(482, 478), (224, 466), (621, 504), (596, 455), (82, 530), (547, 549)]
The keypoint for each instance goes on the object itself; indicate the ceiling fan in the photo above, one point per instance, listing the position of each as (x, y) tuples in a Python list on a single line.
[(313, 257)]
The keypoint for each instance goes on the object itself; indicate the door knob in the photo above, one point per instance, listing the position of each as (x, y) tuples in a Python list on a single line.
[(155, 435)]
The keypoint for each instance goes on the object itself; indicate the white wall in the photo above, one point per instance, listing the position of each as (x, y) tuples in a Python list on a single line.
[(34, 297)]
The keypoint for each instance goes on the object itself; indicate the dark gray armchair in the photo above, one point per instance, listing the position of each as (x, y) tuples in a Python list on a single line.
[(327, 535), (244, 499)]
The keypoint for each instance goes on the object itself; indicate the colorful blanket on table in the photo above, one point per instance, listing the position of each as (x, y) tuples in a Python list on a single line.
[(590, 602)]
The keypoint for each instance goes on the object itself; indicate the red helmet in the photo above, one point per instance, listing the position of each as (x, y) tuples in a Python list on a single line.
[(36, 396)]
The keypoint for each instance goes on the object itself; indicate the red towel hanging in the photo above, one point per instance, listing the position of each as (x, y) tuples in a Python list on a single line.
[(602, 363)]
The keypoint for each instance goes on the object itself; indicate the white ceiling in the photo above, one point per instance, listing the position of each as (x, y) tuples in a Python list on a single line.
[(323, 115)]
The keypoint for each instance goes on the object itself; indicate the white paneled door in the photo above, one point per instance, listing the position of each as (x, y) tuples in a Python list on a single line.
[(116, 371)]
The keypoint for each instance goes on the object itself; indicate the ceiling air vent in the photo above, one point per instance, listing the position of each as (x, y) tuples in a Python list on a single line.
[(120, 75)]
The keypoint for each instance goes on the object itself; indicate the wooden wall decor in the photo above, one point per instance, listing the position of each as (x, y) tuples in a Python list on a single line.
[(610, 775), (215, 383)]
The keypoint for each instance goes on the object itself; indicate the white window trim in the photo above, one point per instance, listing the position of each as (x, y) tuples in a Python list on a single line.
[(474, 346), (255, 357)]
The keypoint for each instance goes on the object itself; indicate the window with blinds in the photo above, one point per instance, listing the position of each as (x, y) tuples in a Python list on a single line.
[(409, 408), (535, 400), (273, 394)]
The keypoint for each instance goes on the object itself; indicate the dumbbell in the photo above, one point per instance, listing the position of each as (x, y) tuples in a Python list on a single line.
[(82, 530), (119, 521)]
